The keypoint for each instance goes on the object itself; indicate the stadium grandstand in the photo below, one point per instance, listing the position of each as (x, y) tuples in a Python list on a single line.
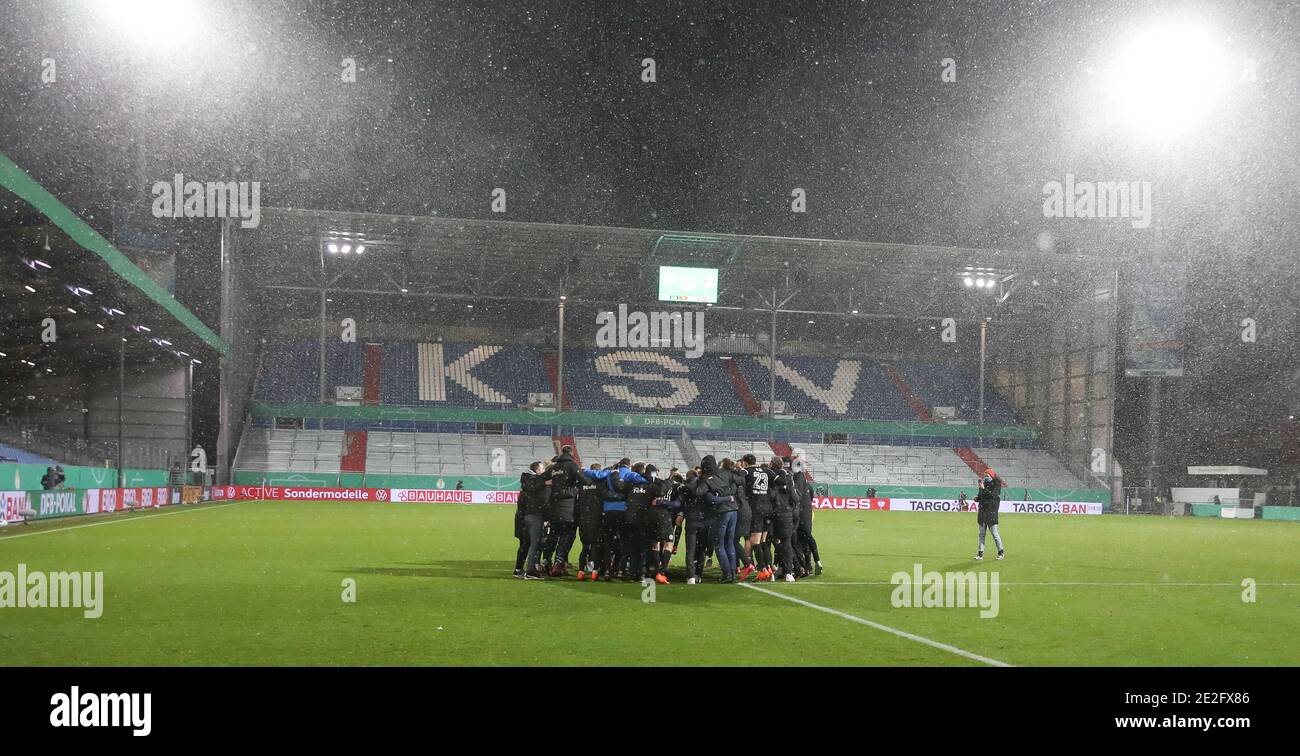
[(375, 351), (96, 355)]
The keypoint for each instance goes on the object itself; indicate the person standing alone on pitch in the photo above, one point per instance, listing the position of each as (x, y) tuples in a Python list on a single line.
[(989, 500)]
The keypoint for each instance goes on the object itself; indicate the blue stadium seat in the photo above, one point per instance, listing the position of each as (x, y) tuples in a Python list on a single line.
[(479, 375)]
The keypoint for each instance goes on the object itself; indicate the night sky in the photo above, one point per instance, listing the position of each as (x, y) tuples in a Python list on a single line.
[(752, 99)]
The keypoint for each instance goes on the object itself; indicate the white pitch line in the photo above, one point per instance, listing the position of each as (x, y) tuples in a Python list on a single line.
[(114, 522), (883, 628), (1073, 584)]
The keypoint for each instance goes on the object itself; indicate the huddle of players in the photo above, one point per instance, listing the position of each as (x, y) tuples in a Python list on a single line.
[(756, 518)]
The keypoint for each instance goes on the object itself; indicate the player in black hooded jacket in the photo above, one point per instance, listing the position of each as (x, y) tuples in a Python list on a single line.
[(810, 558), (989, 500), (715, 485), (566, 480), (784, 502), (589, 528), (534, 501), (697, 511), (647, 502), (744, 515)]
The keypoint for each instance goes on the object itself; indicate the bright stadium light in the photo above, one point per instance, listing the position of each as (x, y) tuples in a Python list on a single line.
[(361, 249), (333, 248), (161, 24), (969, 282), (1165, 78), (347, 249)]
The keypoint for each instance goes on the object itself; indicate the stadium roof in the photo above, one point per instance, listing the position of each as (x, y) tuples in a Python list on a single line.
[(56, 266), (452, 258)]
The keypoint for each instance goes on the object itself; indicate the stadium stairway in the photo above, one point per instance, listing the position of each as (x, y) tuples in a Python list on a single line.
[(780, 448), (688, 450), (742, 388), (552, 364), (355, 444), (372, 376), (562, 441), (965, 453)]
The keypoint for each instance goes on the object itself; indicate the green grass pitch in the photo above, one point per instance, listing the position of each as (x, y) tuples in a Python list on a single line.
[(261, 583)]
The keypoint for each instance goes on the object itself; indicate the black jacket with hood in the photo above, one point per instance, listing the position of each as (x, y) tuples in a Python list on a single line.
[(534, 494), (804, 490), (716, 485)]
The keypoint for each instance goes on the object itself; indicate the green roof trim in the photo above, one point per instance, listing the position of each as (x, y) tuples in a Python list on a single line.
[(16, 180)]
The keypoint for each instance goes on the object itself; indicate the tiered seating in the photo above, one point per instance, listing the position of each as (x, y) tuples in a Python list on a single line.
[(461, 375), (280, 450), (291, 367), (887, 465), (14, 454), (946, 386), (620, 381), (606, 450), (627, 380), (1031, 468), (630, 380), (908, 465), (828, 388), (453, 453), (733, 449)]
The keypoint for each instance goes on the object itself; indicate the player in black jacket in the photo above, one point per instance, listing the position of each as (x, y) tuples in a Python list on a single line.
[(566, 481), (989, 500), (803, 537), (744, 561), (716, 485), (796, 516), (647, 503), (589, 529), (783, 506), (534, 500), (758, 485), (696, 509)]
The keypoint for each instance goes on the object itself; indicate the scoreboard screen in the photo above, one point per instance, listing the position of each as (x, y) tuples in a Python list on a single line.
[(688, 284)]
